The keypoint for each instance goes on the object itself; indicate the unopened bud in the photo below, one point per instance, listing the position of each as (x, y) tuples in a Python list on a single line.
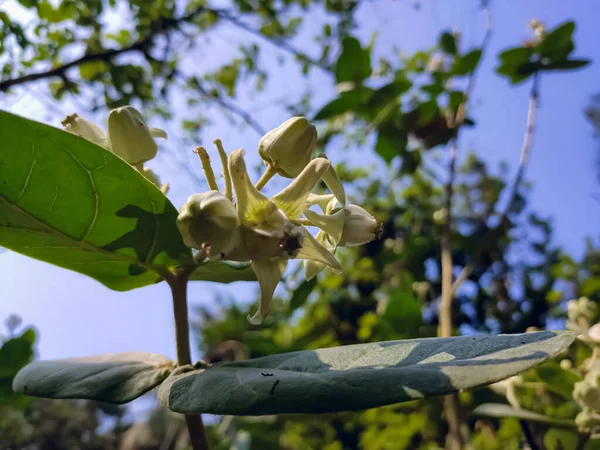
[(86, 129), (587, 395), (288, 148), (360, 227), (208, 222), (129, 135)]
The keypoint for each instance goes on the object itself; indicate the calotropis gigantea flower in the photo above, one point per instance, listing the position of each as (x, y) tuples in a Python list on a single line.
[(129, 137), (347, 226), (267, 232)]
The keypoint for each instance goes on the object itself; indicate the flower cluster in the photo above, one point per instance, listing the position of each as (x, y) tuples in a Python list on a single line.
[(128, 137), (270, 231)]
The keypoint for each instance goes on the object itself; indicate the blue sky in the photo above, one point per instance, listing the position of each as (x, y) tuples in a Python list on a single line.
[(76, 316)]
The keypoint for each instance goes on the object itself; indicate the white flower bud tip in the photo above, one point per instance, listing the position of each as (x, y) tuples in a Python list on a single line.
[(86, 129)]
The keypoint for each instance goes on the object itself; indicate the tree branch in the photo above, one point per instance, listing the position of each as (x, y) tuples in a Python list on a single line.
[(279, 43), (157, 28), (458, 433), (244, 115), (526, 148)]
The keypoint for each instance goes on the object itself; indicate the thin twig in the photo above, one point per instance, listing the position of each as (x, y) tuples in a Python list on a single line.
[(279, 43), (244, 115), (178, 284), (159, 27), (458, 432), (526, 148)]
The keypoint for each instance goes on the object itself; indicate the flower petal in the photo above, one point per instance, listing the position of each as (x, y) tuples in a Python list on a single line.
[(269, 274), (158, 133), (253, 207), (311, 249), (293, 198), (334, 183), (313, 268), (332, 224), (319, 199)]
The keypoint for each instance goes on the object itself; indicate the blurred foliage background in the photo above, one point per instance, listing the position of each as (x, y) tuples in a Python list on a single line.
[(406, 113)]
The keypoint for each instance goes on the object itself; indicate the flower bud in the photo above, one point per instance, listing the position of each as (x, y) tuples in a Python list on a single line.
[(86, 129), (129, 136), (208, 222), (288, 148), (360, 227), (587, 395)]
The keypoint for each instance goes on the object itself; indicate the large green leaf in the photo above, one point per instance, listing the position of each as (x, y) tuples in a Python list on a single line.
[(499, 410), (357, 376), (68, 202), (223, 272), (558, 43), (113, 378)]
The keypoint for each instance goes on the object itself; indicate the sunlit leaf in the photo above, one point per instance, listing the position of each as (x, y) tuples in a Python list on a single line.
[(357, 376), (112, 378), (68, 202)]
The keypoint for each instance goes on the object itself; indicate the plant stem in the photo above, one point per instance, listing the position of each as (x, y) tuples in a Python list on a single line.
[(264, 179), (178, 284)]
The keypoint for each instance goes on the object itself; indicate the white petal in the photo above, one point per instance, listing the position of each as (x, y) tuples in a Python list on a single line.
[(332, 224), (311, 249), (253, 207), (334, 183), (269, 274), (293, 198), (158, 133), (319, 199), (313, 268)]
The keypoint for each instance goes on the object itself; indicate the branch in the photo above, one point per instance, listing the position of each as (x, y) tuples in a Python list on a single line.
[(458, 432), (526, 148), (279, 43), (157, 28), (244, 115)]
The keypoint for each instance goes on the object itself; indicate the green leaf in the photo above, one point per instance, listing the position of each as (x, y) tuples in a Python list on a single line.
[(567, 64), (500, 410), (301, 293), (354, 63), (68, 202), (357, 376), (455, 98), (410, 162), (223, 272), (15, 353), (112, 378), (558, 380), (391, 142), (590, 286), (346, 102), (511, 62), (560, 439), (466, 64), (447, 43), (91, 69), (558, 43)]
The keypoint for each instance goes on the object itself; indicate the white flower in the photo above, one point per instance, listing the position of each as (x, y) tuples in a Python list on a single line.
[(288, 148), (129, 136), (86, 129), (360, 227), (265, 231)]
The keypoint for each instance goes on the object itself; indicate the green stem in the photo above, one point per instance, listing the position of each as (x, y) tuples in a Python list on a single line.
[(264, 179), (178, 284)]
